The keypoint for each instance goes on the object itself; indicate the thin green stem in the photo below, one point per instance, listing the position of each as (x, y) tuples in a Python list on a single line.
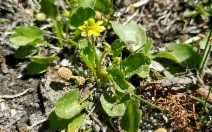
[(86, 97), (201, 101), (147, 102), (102, 57), (91, 41), (206, 52), (55, 37), (204, 106)]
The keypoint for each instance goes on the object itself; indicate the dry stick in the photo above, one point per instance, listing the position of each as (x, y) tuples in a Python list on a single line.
[(36, 123), (97, 121), (14, 96), (199, 79), (131, 17)]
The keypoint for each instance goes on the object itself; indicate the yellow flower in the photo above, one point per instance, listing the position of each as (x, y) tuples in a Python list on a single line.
[(90, 27)]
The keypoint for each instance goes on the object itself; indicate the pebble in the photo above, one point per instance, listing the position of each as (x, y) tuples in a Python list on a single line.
[(3, 106), (13, 112), (96, 128)]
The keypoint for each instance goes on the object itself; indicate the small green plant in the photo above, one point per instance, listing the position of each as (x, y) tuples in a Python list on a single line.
[(118, 99), (204, 10), (80, 28), (27, 38)]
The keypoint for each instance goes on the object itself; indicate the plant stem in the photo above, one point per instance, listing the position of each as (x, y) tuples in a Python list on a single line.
[(201, 101), (98, 65), (204, 106), (206, 52), (55, 37), (84, 98), (149, 103)]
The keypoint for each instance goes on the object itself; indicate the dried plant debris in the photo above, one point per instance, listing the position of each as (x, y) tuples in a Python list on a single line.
[(181, 113)]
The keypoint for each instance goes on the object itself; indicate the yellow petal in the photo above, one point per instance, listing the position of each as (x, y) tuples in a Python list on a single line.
[(100, 28), (99, 22), (96, 33), (90, 32), (81, 27), (83, 34)]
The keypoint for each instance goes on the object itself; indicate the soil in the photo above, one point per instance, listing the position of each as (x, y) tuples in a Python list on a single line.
[(26, 101)]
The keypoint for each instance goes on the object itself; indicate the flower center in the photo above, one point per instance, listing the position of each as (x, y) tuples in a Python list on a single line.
[(91, 22)]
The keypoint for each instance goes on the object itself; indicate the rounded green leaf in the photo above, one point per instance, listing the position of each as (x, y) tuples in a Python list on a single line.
[(119, 79), (81, 15), (25, 51), (131, 33), (116, 48), (34, 68), (108, 105), (144, 72), (136, 63), (44, 60), (104, 6), (57, 123), (49, 8), (75, 124), (67, 106), (183, 54), (87, 3), (25, 35)]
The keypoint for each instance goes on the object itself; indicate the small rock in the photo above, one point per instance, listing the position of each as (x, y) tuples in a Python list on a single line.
[(161, 130), (96, 128), (13, 112)]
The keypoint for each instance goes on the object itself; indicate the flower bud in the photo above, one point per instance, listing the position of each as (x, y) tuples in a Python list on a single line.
[(66, 14), (107, 47), (40, 16)]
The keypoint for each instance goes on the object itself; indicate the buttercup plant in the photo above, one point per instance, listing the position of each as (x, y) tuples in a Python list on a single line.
[(118, 98)]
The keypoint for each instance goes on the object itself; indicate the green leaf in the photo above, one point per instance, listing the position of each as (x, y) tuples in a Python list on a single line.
[(81, 15), (25, 35), (34, 68), (132, 116), (83, 44), (202, 43), (183, 54), (88, 63), (119, 79), (171, 67), (49, 8), (108, 105), (144, 72), (67, 106), (104, 6), (59, 29), (87, 54), (132, 33), (37, 41), (147, 47), (136, 63), (75, 124), (57, 123), (87, 3), (25, 51), (73, 43), (116, 48), (44, 60)]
